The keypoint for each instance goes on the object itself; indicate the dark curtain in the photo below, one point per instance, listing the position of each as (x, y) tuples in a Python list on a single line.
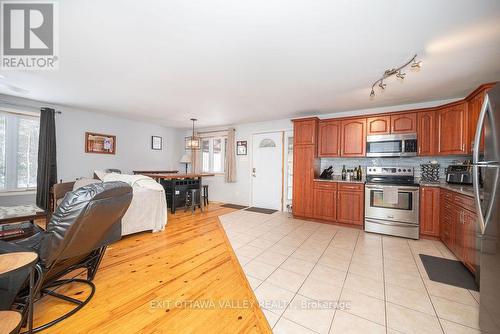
[(47, 166)]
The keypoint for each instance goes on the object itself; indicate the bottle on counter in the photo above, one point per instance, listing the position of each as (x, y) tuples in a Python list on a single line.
[(355, 173), (348, 175), (344, 173), (360, 173)]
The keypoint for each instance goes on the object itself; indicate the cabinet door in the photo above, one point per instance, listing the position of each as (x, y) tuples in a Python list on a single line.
[(429, 211), (458, 232), (350, 205), (452, 130), (303, 175), (474, 107), (404, 123), (378, 125), (426, 133), (325, 204), (446, 219), (470, 242), (305, 132), (329, 138), (353, 140)]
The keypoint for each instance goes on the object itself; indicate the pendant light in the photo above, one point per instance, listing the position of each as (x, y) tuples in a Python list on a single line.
[(193, 142)]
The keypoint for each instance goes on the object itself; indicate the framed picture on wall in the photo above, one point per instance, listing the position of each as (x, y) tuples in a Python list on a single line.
[(241, 147), (156, 142), (100, 143)]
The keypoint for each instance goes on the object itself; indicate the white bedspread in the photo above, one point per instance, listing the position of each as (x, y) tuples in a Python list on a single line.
[(148, 209)]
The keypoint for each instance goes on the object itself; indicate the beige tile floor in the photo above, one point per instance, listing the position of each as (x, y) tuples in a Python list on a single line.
[(319, 278)]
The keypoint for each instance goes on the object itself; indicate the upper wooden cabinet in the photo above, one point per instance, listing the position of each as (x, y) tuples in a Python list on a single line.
[(452, 129), (404, 123), (329, 138), (353, 137), (379, 125), (429, 211), (474, 104), (426, 133), (305, 131)]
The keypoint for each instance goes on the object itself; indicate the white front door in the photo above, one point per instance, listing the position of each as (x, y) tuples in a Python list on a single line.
[(267, 170)]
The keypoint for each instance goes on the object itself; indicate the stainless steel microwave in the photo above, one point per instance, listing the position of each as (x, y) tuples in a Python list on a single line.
[(400, 145)]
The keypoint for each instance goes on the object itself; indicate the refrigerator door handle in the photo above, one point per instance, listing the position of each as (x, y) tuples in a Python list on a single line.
[(475, 185), (479, 129)]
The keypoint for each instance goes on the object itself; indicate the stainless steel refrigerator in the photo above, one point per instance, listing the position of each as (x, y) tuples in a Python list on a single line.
[(486, 180)]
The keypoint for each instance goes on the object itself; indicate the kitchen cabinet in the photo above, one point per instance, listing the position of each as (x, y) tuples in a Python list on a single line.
[(350, 203), (429, 211), (325, 200), (353, 137), (404, 123), (305, 131), (474, 104), (426, 133), (329, 138), (303, 176), (452, 129), (378, 125), (458, 227)]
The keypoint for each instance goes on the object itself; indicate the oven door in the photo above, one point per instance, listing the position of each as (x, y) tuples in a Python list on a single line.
[(392, 203)]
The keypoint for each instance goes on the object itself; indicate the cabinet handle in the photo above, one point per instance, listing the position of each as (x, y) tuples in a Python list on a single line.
[(463, 147)]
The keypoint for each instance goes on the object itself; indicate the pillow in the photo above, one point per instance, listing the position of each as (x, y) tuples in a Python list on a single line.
[(100, 174), (84, 181)]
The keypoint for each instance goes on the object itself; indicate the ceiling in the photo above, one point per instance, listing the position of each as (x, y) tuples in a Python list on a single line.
[(228, 62)]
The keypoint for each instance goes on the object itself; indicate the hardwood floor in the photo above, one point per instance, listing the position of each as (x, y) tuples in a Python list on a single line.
[(183, 280)]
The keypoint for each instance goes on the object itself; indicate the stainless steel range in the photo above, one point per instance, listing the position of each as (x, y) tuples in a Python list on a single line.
[(391, 201)]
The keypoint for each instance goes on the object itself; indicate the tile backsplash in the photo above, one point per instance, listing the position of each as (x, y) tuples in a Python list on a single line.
[(414, 162)]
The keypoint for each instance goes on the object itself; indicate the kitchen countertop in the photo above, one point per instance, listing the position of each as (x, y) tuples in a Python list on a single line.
[(338, 178), (466, 190)]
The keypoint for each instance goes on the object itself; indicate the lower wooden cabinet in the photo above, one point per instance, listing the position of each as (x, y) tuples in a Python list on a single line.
[(458, 227), (325, 200), (350, 203), (429, 211)]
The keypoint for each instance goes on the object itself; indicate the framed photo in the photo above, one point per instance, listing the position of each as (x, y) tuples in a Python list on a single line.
[(241, 147), (100, 143), (156, 143)]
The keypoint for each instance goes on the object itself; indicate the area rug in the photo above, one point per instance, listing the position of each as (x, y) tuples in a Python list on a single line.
[(260, 210), (449, 272)]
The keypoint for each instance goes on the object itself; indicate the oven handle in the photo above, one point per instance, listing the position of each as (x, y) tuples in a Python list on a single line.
[(391, 223), (369, 186)]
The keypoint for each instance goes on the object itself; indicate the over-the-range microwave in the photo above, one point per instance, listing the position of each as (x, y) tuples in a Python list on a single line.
[(398, 145)]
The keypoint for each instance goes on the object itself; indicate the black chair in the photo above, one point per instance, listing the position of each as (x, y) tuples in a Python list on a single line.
[(76, 237)]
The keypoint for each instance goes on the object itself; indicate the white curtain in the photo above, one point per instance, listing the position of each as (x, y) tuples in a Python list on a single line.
[(230, 174)]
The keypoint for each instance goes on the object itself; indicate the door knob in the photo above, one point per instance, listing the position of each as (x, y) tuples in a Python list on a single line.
[(253, 172)]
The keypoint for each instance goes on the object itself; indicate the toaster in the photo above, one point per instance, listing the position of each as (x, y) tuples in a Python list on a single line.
[(459, 174)]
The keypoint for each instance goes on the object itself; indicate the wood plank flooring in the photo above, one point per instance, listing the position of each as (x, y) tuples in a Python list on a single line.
[(185, 279)]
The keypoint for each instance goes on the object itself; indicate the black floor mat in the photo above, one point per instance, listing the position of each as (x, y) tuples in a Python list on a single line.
[(260, 210), (234, 206), (449, 272)]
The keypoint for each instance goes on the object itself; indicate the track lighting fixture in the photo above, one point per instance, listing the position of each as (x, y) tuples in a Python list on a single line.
[(397, 72)]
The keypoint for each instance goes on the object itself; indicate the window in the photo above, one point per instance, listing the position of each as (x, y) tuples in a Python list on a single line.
[(18, 151), (213, 154)]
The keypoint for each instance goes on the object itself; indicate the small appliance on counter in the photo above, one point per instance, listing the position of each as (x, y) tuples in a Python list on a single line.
[(327, 173), (459, 174)]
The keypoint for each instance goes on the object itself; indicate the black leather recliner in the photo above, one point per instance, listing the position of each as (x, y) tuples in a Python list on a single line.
[(76, 237)]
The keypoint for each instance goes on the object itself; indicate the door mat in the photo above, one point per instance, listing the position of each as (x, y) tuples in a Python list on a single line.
[(449, 272), (234, 206), (260, 210)]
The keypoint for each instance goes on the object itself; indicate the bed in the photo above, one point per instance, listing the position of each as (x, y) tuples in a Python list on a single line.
[(148, 210)]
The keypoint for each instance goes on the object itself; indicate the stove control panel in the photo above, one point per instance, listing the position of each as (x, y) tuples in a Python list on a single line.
[(394, 171)]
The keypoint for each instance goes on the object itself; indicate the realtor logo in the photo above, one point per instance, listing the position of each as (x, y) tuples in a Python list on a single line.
[(29, 34)]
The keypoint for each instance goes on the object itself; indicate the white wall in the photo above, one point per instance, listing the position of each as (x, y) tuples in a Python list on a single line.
[(240, 192), (133, 144)]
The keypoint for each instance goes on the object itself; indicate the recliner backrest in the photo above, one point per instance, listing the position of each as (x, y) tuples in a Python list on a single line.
[(87, 219)]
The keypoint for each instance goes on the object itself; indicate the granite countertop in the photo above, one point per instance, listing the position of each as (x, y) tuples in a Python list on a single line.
[(463, 189), (338, 178)]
